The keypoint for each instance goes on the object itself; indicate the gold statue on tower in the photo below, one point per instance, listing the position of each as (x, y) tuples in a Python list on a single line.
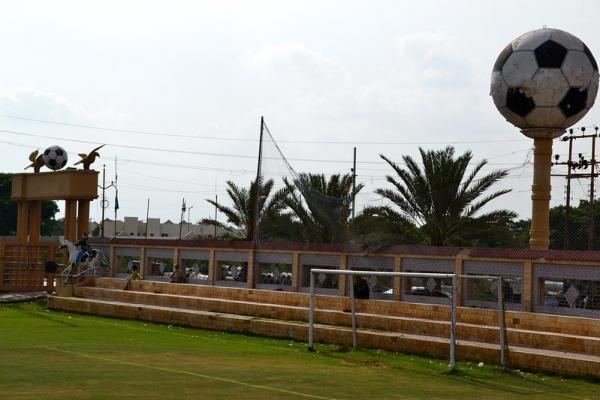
[(88, 159), (37, 161)]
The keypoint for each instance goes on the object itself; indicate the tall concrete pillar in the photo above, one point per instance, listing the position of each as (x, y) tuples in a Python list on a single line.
[(70, 220), (22, 220), (83, 218), (540, 195), (35, 221)]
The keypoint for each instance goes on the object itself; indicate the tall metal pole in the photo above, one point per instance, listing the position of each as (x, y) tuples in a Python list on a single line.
[(147, 214), (103, 198), (354, 186), (116, 197), (216, 202), (181, 218), (258, 183)]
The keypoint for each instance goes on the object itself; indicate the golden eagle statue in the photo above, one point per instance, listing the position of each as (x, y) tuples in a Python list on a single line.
[(37, 161), (88, 159)]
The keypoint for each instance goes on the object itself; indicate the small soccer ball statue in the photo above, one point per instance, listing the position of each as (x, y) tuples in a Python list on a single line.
[(546, 78), (55, 157)]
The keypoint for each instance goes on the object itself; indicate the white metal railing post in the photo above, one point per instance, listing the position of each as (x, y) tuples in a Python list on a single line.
[(311, 311), (453, 325), (501, 323), (353, 311), (351, 273)]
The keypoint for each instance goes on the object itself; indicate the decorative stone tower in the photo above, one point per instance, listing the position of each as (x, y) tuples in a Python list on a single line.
[(543, 82)]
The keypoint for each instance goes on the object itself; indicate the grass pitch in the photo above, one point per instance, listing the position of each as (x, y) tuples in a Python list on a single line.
[(53, 355)]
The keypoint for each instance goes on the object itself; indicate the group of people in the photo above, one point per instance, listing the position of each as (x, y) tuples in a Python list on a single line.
[(178, 275)]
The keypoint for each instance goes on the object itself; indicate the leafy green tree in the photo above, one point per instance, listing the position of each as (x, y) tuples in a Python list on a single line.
[(321, 205), (578, 226), (241, 215), (441, 198), (8, 212)]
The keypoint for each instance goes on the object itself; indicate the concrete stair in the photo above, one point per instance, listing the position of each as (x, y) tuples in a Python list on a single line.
[(394, 326)]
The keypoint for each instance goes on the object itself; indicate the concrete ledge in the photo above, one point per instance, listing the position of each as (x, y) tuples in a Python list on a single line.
[(566, 325)]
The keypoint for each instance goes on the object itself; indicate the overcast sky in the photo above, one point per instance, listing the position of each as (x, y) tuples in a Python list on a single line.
[(386, 76)]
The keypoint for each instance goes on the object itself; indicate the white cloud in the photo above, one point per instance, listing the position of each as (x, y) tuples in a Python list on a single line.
[(28, 101), (297, 59)]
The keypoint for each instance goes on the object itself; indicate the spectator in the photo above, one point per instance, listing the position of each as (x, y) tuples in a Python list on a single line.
[(178, 275), (134, 276)]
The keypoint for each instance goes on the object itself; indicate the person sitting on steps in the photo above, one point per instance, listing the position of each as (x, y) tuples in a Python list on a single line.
[(178, 275), (134, 276)]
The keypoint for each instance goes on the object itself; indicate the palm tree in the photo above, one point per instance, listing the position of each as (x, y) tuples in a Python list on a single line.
[(442, 198), (322, 206), (241, 216)]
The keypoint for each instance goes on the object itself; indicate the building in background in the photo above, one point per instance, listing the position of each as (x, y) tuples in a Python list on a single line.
[(132, 227)]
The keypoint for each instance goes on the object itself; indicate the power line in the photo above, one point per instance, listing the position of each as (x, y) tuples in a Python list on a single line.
[(134, 147), (155, 133), (230, 170)]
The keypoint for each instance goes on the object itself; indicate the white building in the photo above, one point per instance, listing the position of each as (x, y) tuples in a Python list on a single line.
[(154, 229)]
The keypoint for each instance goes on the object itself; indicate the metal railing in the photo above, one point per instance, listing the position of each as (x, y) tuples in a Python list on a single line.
[(454, 277)]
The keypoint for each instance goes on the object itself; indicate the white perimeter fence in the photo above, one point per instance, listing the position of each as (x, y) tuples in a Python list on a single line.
[(454, 277)]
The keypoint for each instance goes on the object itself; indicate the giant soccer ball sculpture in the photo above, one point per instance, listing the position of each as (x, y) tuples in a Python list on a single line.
[(55, 157), (543, 82), (546, 78)]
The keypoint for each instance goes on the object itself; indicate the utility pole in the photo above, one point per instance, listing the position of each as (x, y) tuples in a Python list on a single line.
[(104, 201), (181, 219), (582, 163), (116, 197), (568, 203), (147, 214), (216, 202), (354, 186), (591, 227)]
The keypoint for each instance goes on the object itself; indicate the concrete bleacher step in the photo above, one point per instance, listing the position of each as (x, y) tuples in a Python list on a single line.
[(410, 325), (518, 356), (560, 324)]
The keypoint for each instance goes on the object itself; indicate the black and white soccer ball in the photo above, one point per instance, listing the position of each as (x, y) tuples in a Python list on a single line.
[(55, 157), (546, 78)]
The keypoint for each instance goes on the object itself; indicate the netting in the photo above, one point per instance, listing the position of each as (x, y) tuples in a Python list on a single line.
[(319, 205)]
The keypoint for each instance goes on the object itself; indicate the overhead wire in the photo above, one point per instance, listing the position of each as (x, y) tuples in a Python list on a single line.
[(221, 138), (191, 152)]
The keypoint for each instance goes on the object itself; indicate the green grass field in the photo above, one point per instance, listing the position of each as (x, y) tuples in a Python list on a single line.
[(52, 355)]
